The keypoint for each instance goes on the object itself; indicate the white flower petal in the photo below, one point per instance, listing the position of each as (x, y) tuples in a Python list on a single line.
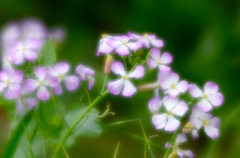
[(195, 91), (159, 121), (216, 99), (205, 105), (180, 139), (210, 88), (182, 86), (115, 87), (180, 109), (118, 68), (166, 58), (128, 89), (170, 102), (172, 124), (137, 73), (211, 131), (155, 53)]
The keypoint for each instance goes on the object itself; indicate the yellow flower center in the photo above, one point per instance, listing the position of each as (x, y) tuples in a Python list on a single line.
[(173, 86), (104, 35), (124, 42), (204, 96), (145, 35), (205, 122), (125, 77), (8, 82), (42, 83), (159, 62), (169, 113)]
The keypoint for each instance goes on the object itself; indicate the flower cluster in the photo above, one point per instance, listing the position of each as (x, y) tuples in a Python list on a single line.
[(168, 111), (22, 42)]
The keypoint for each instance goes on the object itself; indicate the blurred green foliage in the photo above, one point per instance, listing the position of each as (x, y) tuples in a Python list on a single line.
[(203, 36)]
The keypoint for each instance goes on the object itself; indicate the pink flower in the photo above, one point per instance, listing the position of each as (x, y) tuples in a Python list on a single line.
[(103, 47), (155, 103), (147, 39), (199, 119), (171, 85), (123, 45), (158, 60), (181, 138), (60, 71), (28, 50), (26, 100), (42, 82), (123, 84), (10, 82), (86, 74), (168, 120), (209, 97)]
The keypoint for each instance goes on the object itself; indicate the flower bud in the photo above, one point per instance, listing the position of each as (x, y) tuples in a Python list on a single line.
[(187, 127), (107, 66), (149, 86)]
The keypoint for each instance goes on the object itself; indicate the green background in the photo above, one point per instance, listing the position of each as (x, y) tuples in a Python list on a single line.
[(203, 36)]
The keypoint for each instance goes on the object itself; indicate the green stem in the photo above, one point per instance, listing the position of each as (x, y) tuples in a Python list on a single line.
[(80, 118), (29, 142), (104, 83), (171, 143), (16, 136), (88, 96)]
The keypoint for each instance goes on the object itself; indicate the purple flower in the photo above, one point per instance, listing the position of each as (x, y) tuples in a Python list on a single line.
[(26, 100), (123, 84), (103, 47), (199, 119), (60, 71), (28, 50), (147, 39), (158, 60), (181, 138), (167, 120), (210, 96), (173, 86), (123, 45), (10, 82), (42, 82), (86, 74), (155, 103)]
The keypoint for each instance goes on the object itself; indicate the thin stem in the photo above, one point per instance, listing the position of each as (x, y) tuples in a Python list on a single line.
[(172, 141), (88, 96), (116, 151), (65, 152), (104, 84), (80, 118), (29, 141), (146, 140)]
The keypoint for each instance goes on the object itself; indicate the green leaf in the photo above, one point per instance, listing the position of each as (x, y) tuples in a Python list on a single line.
[(89, 126), (48, 54)]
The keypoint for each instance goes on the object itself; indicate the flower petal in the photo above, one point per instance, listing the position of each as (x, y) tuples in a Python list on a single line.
[(19, 106), (155, 53), (134, 45), (43, 93), (16, 76), (172, 124), (30, 103), (122, 50), (211, 131), (137, 73), (4, 75), (31, 85), (128, 89), (216, 99), (13, 91), (91, 83), (62, 67), (40, 72), (180, 139), (115, 87), (187, 153), (71, 82), (155, 42), (152, 63), (210, 88), (154, 104), (30, 56), (180, 109), (57, 90), (205, 105), (118, 68), (166, 58), (170, 102), (182, 86), (170, 80), (195, 91), (159, 121)]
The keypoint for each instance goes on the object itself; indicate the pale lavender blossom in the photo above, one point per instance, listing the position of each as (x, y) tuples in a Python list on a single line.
[(25, 99), (60, 71), (209, 97), (41, 83), (172, 86), (27, 50), (123, 85), (159, 60), (201, 119), (155, 103), (103, 47), (123, 45), (10, 82), (147, 40), (168, 120), (86, 74), (181, 138)]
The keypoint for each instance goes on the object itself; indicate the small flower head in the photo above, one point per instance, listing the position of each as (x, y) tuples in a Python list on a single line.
[(199, 119), (86, 74), (209, 97), (168, 120), (159, 60), (60, 71), (10, 82), (155, 104), (123, 84), (103, 46), (123, 44), (172, 86)]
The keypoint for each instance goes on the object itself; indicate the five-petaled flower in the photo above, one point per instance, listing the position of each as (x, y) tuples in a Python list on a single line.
[(167, 120), (199, 119), (210, 96), (60, 71), (123, 84), (10, 82), (158, 60), (42, 83), (172, 86)]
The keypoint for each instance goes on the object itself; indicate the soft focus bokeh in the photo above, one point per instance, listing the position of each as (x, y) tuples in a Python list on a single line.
[(203, 36)]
